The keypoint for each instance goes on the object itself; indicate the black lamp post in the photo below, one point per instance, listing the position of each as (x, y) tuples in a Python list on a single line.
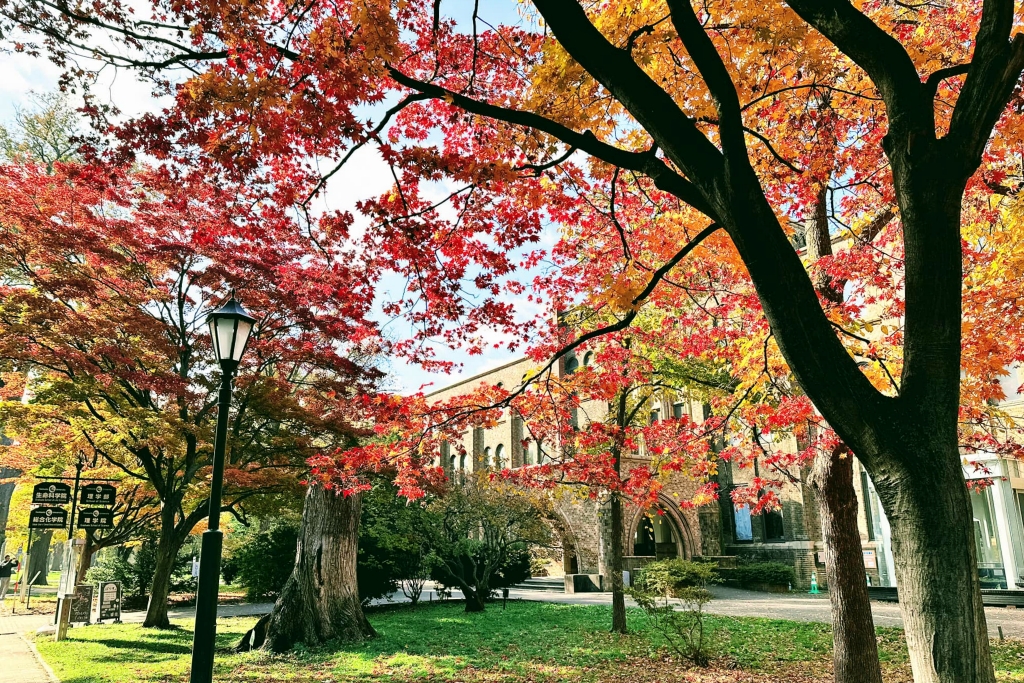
[(230, 326)]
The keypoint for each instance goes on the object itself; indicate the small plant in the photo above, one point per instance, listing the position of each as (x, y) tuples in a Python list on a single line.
[(673, 595)]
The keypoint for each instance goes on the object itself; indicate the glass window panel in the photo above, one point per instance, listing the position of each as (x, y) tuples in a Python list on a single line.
[(986, 539), (742, 517)]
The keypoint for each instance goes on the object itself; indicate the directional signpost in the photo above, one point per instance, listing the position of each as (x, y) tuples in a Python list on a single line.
[(98, 494), (95, 518), (48, 518), (51, 493)]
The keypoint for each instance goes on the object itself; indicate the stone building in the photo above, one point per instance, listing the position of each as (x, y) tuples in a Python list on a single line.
[(791, 535)]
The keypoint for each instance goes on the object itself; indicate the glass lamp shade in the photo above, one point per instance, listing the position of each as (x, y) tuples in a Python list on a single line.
[(230, 327)]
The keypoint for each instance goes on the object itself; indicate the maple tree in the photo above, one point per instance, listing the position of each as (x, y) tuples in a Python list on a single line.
[(736, 113), (109, 275)]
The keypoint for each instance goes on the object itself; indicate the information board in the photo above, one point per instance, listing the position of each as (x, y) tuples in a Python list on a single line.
[(81, 604), (97, 494), (48, 518), (110, 601), (51, 493)]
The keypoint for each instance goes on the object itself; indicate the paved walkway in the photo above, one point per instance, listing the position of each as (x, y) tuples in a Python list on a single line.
[(20, 663)]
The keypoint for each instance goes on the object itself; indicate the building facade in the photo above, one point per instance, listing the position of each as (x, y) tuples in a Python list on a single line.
[(791, 534)]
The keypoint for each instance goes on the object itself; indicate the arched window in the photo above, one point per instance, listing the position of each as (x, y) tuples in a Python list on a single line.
[(540, 453), (526, 453), (500, 385), (588, 357), (499, 457), (462, 462), (487, 456), (571, 365)]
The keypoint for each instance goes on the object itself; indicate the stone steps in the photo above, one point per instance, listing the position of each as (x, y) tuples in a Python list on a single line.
[(548, 584)]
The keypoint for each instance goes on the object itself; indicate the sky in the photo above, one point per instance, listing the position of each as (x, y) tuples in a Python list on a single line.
[(365, 176)]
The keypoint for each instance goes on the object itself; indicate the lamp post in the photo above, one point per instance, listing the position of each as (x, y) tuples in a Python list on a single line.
[(230, 326)]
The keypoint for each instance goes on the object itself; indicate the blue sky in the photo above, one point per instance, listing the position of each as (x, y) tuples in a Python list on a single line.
[(365, 176)]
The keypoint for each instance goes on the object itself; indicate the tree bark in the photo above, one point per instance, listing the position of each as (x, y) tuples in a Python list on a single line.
[(474, 600), (929, 510), (160, 590), (855, 650), (615, 565), (6, 491), (40, 558), (320, 601), (85, 559)]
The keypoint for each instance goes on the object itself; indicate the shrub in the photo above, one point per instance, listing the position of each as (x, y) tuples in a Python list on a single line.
[(669, 577), (264, 561), (764, 573), (134, 566), (685, 631)]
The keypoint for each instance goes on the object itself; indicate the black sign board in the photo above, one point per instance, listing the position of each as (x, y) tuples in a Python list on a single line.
[(95, 518), (97, 494), (81, 604), (51, 493), (110, 601), (48, 518)]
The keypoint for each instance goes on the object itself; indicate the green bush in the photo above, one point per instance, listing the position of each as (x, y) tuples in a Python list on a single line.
[(264, 561), (669, 577), (134, 566), (657, 590), (763, 573)]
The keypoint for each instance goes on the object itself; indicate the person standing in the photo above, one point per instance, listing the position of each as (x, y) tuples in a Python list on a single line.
[(7, 567)]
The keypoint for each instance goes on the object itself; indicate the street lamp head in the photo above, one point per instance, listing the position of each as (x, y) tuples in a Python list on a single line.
[(230, 327)]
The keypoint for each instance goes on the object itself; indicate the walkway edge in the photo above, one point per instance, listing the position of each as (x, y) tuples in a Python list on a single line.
[(39, 658)]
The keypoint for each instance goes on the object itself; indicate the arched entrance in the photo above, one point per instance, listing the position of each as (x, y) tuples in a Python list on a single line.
[(661, 534)]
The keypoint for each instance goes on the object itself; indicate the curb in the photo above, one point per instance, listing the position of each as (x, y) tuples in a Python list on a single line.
[(39, 658)]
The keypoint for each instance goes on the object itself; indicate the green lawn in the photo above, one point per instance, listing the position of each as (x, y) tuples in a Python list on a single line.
[(439, 642)]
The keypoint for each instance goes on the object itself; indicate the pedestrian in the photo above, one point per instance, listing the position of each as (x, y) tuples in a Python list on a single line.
[(7, 567)]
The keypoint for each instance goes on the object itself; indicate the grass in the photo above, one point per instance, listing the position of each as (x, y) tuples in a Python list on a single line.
[(438, 642)]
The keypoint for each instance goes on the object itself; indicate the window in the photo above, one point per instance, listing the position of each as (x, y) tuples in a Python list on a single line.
[(571, 365), (655, 415), (487, 456), (741, 514), (540, 453), (677, 410), (526, 453), (499, 456), (986, 539), (588, 358), (774, 530), (445, 455), (462, 462)]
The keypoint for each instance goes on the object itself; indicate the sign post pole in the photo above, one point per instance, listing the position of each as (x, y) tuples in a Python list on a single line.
[(64, 601)]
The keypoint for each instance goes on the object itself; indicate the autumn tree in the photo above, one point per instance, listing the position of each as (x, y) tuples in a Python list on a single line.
[(110, 274), (711, 108)]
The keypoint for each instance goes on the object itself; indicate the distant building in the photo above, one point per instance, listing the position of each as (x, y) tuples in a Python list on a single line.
[(791, 535)]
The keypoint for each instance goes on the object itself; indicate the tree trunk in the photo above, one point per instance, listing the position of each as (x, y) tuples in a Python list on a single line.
[(40, 558), (615, 566), (85, 559), (320, 601), (6, 491), (160, 590), (929, 511), (855, 650), (474, 600)]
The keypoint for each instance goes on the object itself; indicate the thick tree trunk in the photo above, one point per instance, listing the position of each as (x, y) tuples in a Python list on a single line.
[(615, 566), (855, 650), (320, 601), (40, 557), (929, 510), (160, 590), (474, 600)]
